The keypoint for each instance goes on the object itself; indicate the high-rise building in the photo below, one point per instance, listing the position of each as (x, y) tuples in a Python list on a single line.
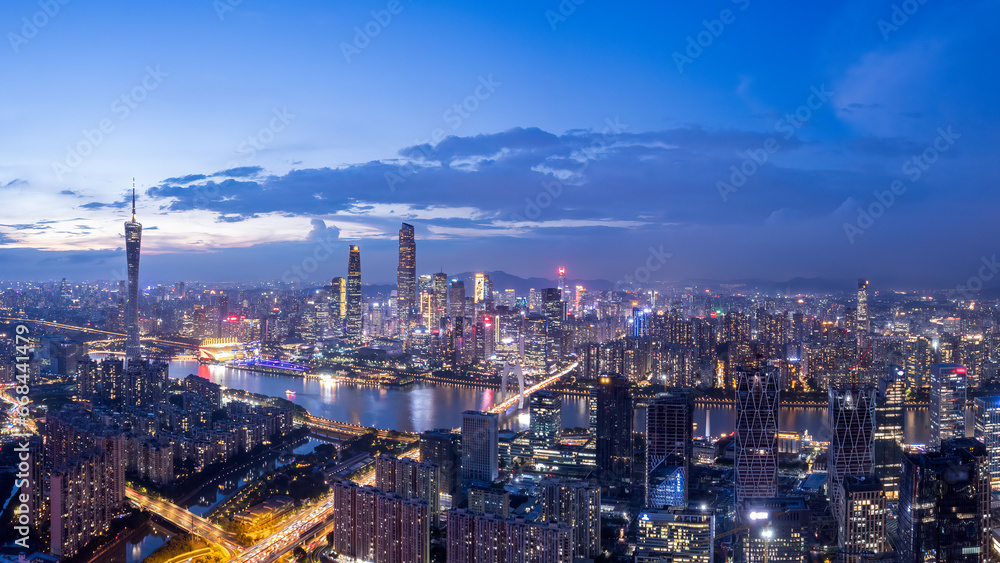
[(863, 529), (483, 288), (555, 314), (577, 504), (372, 525), (669, 429), (778, 530), (443, 449), (757, 401), (133, 239), (406, 272), (852, 434), (338, 305), (947, 404), (457, 305), (889, 429), (944, 504), (545, 408), (485, 538), (678, 536), (409, 479), (611, 405), (863, 320), (480, 446), (354, 303), (439, 299), (987, 422)]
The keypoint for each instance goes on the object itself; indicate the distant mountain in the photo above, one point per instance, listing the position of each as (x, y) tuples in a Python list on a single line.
[(502, 280)]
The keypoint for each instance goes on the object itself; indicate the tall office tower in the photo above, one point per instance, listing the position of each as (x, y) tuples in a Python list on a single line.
[(355, 329), (669, 428), (863, 322), (555, 313), (457, 306), (443, 449), (944, 504), (611, 405), (338, 305), (852, 429), (676, 535), (480, 446), (561, 285), (889, 429), (133, 239), (406, 272), (987, 422), (757, 401), (778, 529), (947, 405), (439, 299), (546, 419), (578, 504), (535, 341), (863, 535), (483, 288)]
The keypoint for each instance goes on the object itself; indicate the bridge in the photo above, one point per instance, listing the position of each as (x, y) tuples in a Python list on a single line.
[(185, 519), (347, 430), (91, 330), (503, 406)]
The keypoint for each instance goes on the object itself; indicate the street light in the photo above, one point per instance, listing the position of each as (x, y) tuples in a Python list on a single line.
[(767, 534)]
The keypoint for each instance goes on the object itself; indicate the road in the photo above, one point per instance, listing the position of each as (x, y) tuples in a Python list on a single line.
[(64, 326), (185, 519), (345, 430)]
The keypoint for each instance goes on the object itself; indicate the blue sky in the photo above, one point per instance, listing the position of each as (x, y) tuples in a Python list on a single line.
[(741, 137)]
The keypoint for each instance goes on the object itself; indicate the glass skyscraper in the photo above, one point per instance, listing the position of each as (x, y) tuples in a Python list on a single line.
[(947, 404), (354, 303), (757, 400)]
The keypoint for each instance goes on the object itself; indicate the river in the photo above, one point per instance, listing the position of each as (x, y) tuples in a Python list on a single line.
[(427, 406)]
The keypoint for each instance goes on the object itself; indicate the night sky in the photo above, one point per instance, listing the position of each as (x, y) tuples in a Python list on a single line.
[(718, 140)]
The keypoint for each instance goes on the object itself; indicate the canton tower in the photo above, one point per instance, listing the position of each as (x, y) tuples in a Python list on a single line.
[(133, 236)]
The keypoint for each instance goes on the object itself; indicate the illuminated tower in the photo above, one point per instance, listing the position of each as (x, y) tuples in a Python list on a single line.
[(133, 237), (562, 280), (987, 421), (482, 281), (406, 272), (864, 323), (457, 308), (354, 312), (852, 441), (338, 305), (757, 400), (439, 299), (947, 404)]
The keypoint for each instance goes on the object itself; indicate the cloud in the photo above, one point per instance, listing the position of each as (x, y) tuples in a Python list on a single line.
[(14, 183)]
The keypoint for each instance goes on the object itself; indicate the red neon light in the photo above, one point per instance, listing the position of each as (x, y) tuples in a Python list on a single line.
[(960, 371)]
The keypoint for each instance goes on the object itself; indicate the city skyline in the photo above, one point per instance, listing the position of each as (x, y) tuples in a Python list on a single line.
[(247, 181)]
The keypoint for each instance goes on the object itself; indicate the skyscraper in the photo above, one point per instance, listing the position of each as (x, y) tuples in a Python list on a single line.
[(757, 400), (863, 321), (555, 313), (406, 272), (354, 309), (863, 512), (987, 422), (578, 504), (546, 419), (669, 426), (439, 299), (889, 429), (480, 446), (338, 305), (944, 504), (611, 404), (947, 404), (133, 238), (675, 535), (852, 429), (457, 306)]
